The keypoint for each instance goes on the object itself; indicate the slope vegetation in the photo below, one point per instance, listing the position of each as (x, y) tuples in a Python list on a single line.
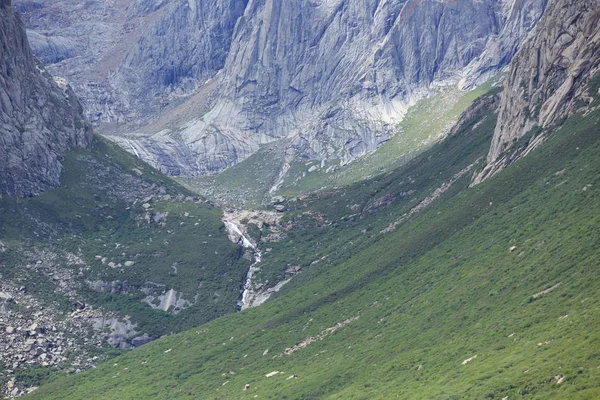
[(412, 286), (116, 256)]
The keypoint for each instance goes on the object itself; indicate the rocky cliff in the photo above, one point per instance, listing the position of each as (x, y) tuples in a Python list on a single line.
[(85, 42), (40, 117), (332, 77), (179, 52), (548, 80)]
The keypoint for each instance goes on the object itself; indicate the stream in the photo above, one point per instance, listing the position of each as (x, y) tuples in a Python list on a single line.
[(235, 231)]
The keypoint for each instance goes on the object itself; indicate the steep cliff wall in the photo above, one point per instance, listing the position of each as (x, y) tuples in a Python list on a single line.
[(548, 79), (333, 77), (85, 42), (40, 118), (179, 52), (197, 86), (336, 75)]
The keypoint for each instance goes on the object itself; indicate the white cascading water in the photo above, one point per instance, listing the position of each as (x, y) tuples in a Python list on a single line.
[(233, 228)]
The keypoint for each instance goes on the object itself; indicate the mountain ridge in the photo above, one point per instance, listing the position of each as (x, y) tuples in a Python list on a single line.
[(548, 80), (330, 78)]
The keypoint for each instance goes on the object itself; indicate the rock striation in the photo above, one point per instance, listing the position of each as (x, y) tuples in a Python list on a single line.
[(548, 80), (53, 49), (211, 81), (40, 117), (85, 42), (179, 52), (333, 77)]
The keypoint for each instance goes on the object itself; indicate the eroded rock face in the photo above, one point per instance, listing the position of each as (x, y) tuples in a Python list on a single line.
[(85, 42), (520, 20), (331, 77), (548, 78), (40, 117), (53, 49), (179, 52)]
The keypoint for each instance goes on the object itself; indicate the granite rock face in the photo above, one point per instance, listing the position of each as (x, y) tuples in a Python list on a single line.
[(520, 20), (40, 117), (179, 52), (548, 79), (333, 77), (85, 42), (201, 84), (52, 49)]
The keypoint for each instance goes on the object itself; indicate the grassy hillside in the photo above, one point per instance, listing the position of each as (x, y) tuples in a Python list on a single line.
[(484, 293), (329, 226), (113, 228)]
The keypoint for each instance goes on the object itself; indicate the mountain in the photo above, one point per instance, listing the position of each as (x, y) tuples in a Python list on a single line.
[(416, 283), (207, 83), (424, 268), (85, 42), (411, 285), (548, 80), (40, 117), (98, 250)]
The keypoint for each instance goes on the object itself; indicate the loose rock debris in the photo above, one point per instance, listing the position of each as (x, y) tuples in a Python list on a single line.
[(318, 337)]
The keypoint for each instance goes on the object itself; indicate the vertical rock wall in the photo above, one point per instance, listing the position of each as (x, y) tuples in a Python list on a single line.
[(197, 86), (40, 117), (547, 79)]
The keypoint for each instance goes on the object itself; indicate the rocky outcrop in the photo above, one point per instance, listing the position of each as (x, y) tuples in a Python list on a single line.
[(548, 79), (170, 300), (119, 332), (331, 78), (477, 111), (40, 117), (180, 51), (85, 42), (36, 334)]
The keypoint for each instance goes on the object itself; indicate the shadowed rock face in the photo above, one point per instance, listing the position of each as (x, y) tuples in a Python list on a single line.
[(180, 51), (548, 79), (40, 118), (332, 77), (53, 49)]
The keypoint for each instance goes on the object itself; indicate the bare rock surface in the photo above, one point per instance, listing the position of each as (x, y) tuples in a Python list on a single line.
[(40, 117), (547, 80), (195, 87)]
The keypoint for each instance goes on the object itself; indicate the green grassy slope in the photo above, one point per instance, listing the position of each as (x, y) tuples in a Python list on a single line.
[(397, 314), (107, 211), (329, 226)]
